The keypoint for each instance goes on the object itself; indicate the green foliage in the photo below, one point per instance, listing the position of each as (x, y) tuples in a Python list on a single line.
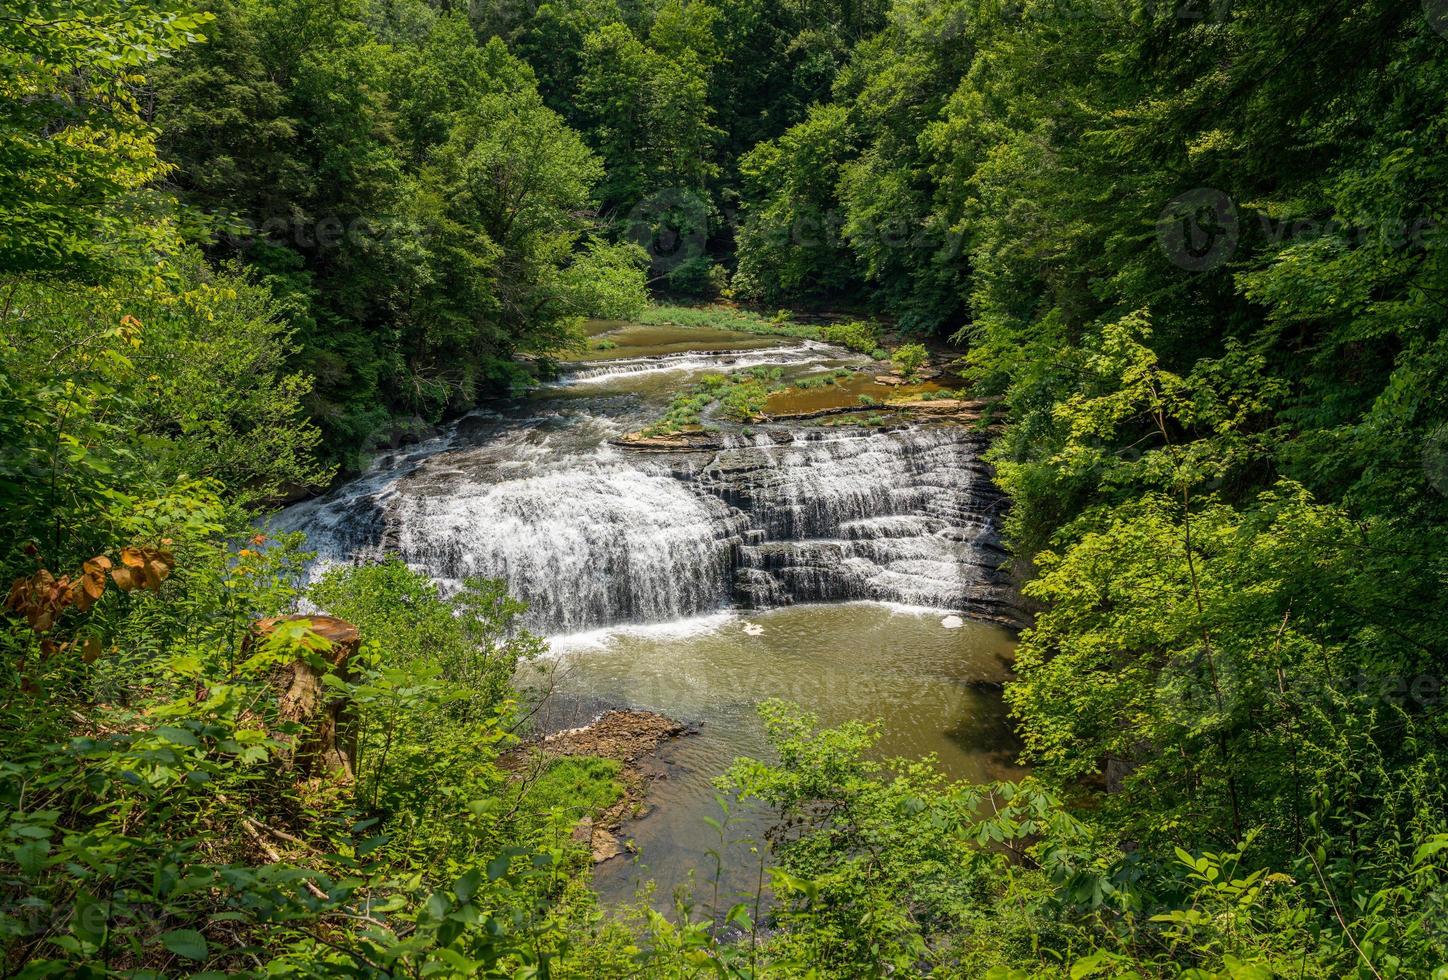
[(76, 155), (421, 213), (607, 281), (857, 335), (847, 198), (726, 318), (739, 397), (1226, 470), (132, 392), (166, 824), (1002, 880), (909, 358), (647, 113), (579, 785), (790, 243), (470, 637)]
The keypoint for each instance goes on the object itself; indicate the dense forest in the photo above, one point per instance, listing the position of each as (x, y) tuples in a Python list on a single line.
[(1195, 247)]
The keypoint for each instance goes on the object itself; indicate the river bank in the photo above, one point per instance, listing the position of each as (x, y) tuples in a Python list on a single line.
[(628, 737)]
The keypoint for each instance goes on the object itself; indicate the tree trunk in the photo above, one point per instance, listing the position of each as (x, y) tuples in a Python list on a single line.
[(326, 742)]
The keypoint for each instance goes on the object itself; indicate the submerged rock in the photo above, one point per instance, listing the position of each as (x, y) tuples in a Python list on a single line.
[(602, 843)]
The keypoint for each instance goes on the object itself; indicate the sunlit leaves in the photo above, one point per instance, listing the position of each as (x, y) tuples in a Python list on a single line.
[(75, 150)]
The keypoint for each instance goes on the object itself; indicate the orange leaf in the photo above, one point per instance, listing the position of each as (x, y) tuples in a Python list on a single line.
[(151, 575), (91, 649), (132, 557), (126, 579)]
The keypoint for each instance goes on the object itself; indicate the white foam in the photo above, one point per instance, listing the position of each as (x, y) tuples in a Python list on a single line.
[(678, 629), (903, 608), (602, 372)]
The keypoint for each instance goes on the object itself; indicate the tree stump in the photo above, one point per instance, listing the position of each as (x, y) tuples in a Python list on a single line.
[(326, 743)]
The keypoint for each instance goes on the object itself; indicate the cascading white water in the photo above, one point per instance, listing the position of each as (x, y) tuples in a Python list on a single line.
[(601, 371), (591, 535), (907, 516), (599, 542)]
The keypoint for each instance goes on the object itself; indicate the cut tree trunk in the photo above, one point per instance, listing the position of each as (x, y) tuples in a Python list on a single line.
[(325, 742)]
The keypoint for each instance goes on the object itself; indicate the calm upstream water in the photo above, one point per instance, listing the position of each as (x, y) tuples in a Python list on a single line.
[(817, 565)]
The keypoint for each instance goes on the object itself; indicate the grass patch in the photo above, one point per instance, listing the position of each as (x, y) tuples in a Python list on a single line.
[(582, 785), (740, 395), (823, 380)]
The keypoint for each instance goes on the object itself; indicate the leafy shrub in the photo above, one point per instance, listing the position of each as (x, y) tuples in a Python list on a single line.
[(908, 359), (698, 276), (857, 335)]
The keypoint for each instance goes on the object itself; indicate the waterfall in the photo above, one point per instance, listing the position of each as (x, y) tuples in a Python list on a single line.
[(601, 543), (907, 516), (592, 535), (595, 372)]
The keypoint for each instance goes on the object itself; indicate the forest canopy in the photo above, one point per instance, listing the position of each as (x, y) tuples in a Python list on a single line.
[(1195, 249)]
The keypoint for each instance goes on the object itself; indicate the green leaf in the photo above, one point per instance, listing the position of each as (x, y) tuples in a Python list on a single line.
[(31, 855), (467, 886), (186, 942)]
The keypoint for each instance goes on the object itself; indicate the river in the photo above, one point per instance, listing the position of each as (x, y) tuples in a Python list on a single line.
[(814, 564)]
